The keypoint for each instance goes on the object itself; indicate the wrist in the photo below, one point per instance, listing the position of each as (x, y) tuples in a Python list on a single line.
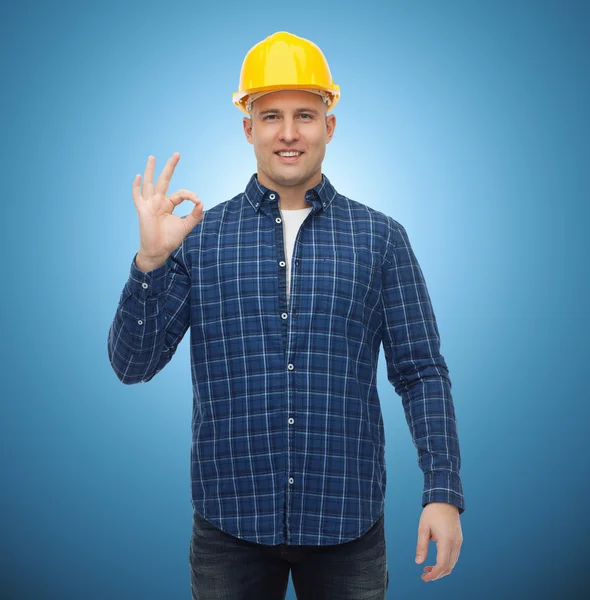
[(146, 264)]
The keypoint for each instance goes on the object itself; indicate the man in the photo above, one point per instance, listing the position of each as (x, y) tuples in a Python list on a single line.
[(289, 290)]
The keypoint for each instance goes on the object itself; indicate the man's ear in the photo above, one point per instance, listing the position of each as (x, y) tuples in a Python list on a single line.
[(330, 126), (247, 122)]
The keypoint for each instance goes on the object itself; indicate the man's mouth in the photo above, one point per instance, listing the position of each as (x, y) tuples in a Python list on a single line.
[(289, 157)]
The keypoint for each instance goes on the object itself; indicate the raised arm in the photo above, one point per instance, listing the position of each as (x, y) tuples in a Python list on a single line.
[(154, 308)]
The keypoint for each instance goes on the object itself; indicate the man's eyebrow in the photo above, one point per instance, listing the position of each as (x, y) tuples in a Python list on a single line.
[(278, 112)]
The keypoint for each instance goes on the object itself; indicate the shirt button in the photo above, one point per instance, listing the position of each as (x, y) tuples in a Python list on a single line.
[(291, 421), (144, 286), (278, 220), (140, 322), (284, 315), (272, 196), (291, 480), (282, 263), (290, 367)]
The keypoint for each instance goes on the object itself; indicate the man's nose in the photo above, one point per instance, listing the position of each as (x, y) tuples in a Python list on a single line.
[(289, 131)]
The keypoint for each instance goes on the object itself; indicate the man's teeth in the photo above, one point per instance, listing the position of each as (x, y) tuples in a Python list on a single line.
[(289, 153)]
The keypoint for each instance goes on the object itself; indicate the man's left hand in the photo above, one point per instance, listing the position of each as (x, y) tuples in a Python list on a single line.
[(439, 522)]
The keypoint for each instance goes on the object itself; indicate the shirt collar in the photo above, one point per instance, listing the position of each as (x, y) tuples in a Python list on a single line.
[(319, 197)]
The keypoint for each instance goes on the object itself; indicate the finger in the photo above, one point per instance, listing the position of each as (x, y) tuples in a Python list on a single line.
[(193, 218), (455, 556), (164, 179), (181, 195), (135, 191), (148, 178), (443, 557), (422, 545), (438, 571)]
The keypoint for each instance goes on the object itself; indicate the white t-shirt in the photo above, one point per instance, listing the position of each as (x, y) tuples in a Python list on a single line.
[(292, 220)]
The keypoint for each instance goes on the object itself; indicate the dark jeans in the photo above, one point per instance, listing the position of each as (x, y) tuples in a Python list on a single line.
[(223, 567)]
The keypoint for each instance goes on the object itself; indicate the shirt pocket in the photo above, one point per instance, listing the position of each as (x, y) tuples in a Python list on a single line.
[(345, 282)]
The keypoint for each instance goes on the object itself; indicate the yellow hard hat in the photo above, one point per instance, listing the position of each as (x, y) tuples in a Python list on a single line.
[(284, 61)]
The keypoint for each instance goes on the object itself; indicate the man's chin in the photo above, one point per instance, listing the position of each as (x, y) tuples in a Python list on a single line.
[(290, 180)]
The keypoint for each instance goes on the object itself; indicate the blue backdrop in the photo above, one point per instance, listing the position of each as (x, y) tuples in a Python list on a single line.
[(465, 121)]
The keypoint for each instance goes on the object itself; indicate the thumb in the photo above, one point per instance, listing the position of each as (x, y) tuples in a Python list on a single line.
[(422, 547)]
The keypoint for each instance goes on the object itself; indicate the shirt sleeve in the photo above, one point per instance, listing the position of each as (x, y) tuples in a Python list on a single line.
[(151, 319), (418, 371)]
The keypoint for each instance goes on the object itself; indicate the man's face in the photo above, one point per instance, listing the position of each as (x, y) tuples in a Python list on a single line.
[(289, 120)]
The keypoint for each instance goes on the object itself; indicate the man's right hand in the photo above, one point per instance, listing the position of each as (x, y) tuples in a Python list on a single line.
[(161, 232)]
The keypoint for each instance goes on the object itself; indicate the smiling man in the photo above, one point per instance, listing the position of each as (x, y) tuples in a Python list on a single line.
[(289, 130), (290, 289)]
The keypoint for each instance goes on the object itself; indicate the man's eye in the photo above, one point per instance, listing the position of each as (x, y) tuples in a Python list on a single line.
[(301, 115)]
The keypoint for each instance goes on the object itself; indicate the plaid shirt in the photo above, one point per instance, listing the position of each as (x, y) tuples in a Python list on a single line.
[(287, 432)]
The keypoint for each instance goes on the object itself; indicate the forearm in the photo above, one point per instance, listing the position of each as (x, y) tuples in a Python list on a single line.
[(151, 319), (430, 414)]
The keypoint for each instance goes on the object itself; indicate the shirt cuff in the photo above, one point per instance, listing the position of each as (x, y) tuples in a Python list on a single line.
[(443, 487), (145, 285)]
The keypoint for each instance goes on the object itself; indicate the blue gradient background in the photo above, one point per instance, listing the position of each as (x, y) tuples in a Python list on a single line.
[(465, 121)]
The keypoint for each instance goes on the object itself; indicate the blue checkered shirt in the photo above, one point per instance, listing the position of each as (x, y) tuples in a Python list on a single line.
[(287, 432)]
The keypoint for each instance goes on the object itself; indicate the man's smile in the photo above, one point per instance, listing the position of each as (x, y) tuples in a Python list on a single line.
[(289, 156)]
